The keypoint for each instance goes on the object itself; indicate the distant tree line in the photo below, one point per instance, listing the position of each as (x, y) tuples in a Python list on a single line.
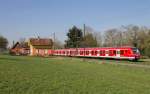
[(76, 38), (3, 44), (131, 35)]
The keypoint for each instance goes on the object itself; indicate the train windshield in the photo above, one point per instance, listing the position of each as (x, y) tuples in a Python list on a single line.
[(135, 50)]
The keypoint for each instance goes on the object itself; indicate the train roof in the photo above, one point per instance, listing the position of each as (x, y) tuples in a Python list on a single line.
[(126, 47)]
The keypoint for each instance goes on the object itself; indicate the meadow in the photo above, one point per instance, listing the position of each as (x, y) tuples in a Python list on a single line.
[(59, 75)]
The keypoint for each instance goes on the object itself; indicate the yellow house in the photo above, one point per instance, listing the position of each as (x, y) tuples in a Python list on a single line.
[(40, 46)]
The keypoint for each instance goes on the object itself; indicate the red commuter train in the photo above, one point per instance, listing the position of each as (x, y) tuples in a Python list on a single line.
[(129, 53)]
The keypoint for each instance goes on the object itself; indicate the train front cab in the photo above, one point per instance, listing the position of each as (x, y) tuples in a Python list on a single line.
[(132, 54), (135, 53), (129, 53)]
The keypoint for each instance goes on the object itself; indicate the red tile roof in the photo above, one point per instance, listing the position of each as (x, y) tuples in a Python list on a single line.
[(41, 42), (20, 45)]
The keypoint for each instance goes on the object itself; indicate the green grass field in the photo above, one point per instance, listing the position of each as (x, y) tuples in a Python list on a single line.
[(36, 75)]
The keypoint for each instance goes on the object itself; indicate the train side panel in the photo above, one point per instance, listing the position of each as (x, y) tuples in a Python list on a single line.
[(116, 53)]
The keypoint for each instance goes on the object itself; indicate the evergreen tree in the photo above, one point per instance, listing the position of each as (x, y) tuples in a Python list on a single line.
[(75, 36)]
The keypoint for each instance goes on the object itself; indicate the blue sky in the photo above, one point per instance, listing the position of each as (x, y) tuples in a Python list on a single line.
[(30, 18)]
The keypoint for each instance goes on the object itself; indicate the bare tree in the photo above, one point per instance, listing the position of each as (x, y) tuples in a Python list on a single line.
[(58, 44), (93, 36), (110, 39), (22, 40), (132, 33)]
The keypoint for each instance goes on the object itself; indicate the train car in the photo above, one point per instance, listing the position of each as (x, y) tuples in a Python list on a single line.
[(130, 53)]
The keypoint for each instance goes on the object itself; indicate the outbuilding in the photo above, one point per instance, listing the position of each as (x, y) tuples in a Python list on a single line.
[(20, 49), (40, 46)]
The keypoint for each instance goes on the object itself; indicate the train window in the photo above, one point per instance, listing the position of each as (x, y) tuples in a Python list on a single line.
[(129, 52), (98, 52), (70, 52), (107, 52), (114, 52), (135, 51), (104, 52), (92, 52), (95, 52), (101, 52), (81, 52), (122, 52), (76, 52), (118, 52), (110, 52), (87, 52)]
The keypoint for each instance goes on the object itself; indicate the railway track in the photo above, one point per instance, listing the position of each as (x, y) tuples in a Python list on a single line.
[(104, 61)]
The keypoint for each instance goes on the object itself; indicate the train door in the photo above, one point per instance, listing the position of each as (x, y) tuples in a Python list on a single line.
[(114, 52), (102, 53), (89, 52), (76, 52), (118, 53), (107, 53), (98, 52), (65, 52), (122, 53)]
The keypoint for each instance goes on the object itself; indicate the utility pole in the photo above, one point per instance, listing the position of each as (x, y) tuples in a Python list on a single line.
[(84, 30), (120, 39), (54, 40), (84, 39), (76, 35)]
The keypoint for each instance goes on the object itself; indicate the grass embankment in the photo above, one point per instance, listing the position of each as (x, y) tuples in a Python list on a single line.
[(35, 75)]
